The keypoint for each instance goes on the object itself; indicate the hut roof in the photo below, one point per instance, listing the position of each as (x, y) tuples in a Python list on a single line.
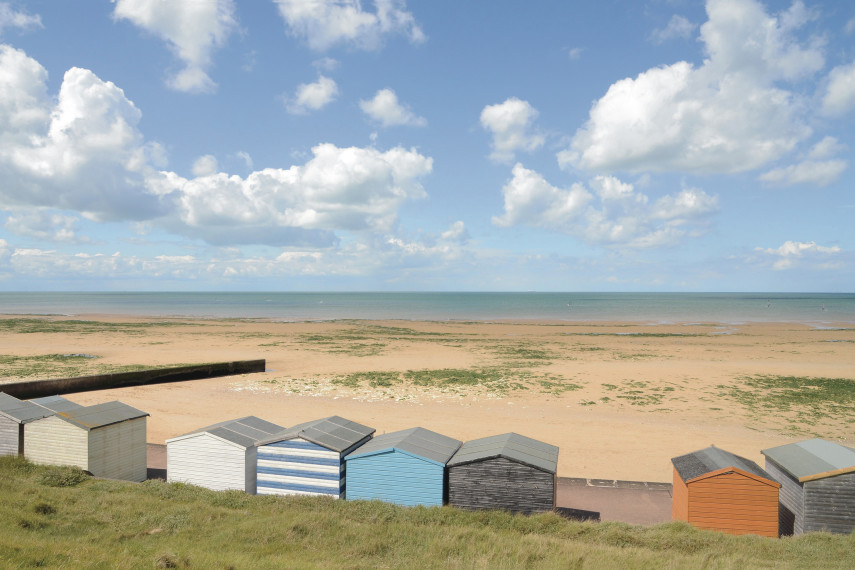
[(246, 431), (100, 415), (55, 403), (21, 411), (813, 459), (334, 433), (512, 446), (699, 463), (417, 441)]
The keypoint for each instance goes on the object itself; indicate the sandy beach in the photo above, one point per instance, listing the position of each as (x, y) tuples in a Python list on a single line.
[(619, 399)]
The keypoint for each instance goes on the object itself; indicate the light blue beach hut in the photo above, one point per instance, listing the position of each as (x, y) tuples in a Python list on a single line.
[(308, 459), (404, 467)]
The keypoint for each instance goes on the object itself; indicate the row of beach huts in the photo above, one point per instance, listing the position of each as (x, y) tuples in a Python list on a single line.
[(806, 486)]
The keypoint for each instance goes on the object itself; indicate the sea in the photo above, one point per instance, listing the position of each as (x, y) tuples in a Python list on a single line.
[(820, 309)]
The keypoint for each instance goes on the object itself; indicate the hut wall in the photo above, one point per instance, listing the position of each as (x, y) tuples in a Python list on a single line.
[(830, 504), (207, 461), (734, 503), (299, 467), (395, 477), (11, 436), (52, 441), (679, 499), (498, 483), (118, 451), (791, 502)]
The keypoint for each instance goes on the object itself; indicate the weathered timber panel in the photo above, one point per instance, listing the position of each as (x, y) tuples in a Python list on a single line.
[(791, 497), (10, 436), (830, 504), (118, 451), (679, 499), (52, 441), (498, 483)]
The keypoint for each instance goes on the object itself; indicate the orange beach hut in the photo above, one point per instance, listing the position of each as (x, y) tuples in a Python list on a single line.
[(717, 490)]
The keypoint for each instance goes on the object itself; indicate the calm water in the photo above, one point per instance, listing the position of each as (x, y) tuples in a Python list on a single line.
[(815, 308)]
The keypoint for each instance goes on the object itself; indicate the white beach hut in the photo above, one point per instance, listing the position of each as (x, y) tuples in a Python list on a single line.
[(14, 413), (221, 456), (107, 440)]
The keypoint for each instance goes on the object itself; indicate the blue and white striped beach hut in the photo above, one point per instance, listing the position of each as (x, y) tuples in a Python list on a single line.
[(405, 467), (308, 459)]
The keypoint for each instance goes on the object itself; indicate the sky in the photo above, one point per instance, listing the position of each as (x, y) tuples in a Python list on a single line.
[(486, 145)]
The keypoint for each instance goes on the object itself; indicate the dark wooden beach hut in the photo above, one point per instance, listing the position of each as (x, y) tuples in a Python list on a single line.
[(404, 467), (308, 459), (107, 440), (717, 490), (817, 486), (14, 413), (220, 456), (509, 472)]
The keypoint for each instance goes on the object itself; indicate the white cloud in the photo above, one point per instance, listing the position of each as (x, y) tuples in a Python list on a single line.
[(678, 27), (840, 93), (246, 158), (191, 29), (575, 53), (814, 172), (313, 96), (850, 26), (81, 151), (457, 232), (45, 225), (11, 18), (326, 23), (728, 115), (611, 213), (827, 147), (793, 254), (511, 124), (385, 109), (205, 165)]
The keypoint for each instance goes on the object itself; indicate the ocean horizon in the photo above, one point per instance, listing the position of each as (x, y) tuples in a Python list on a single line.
[(726, 308)]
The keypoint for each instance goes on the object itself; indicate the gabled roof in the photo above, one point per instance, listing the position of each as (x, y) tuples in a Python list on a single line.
[(56, 403), (100, 415), (712, 459), (420, 442), (21, 411), (334, 433), (245, 432), (512, 446), (813, 459)]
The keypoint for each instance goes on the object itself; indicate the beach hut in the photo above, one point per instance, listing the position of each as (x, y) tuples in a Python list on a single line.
[(510, 472), (308, 459), (14, 413), (817, 486), (55, 403), (221, 456), (404, 467), (107, 440), (717, 490)]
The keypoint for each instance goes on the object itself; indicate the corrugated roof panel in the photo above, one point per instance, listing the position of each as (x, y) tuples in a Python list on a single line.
[(813, 458), (417, 441), (100, 415), (511, 446), (334, 433), (56, 403), (245, 431), (21, 411), (711, 459)]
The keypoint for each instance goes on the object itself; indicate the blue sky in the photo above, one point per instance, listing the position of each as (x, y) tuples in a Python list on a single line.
[(666, 145)]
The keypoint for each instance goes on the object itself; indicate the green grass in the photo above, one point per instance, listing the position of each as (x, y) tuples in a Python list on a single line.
[(35, 325), (112, 524), (46, 366)]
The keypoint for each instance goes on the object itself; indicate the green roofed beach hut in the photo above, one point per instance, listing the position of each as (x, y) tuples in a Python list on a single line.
[(107, 440), (308, 459), (404, 467), (220, 456), (509, 472), (14, 413), (818, 486)]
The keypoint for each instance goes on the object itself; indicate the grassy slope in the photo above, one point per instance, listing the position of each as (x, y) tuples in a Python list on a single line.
[(109, 524)]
